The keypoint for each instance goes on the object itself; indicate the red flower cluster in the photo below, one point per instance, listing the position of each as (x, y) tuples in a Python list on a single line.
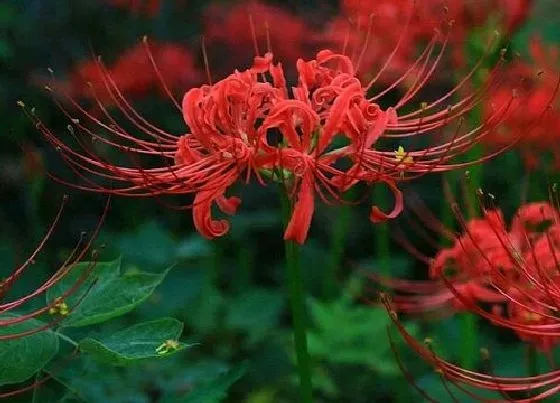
[(328, 139), (510, 276), (534, 95), (134, 73), (513, 270), (398, 28), (241, 29)]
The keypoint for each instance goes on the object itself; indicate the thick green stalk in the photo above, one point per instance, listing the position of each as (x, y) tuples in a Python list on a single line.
[(338, 237), (297, 297), (532, 361), (382, 236), (299, 318)]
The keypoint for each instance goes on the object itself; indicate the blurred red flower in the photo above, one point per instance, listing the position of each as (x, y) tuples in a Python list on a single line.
[(513, 271), (534, 84), (134, 73), (400, 27), (235, 33)]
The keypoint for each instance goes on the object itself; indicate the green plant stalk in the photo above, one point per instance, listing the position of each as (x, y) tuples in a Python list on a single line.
[(532, 360), (467, 322), (297, 297), (382, 236), (299, 318), (338, 237), (245, 259)]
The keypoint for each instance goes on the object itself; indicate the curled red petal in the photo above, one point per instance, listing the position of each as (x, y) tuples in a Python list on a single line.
[(377, 215), (202, 213), (228, 205)]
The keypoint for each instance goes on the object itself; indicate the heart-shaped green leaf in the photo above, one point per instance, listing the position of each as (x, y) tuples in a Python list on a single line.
[(105, 294), (158, 338)]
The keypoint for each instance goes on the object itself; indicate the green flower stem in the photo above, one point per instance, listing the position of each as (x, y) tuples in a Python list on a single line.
[(469, 322), (299, 317), (338, 237), (532, 360), (382, 236), (297, 294)]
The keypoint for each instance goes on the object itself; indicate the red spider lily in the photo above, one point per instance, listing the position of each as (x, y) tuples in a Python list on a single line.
[(58, 306), (329, 130), (514, 272), (533, 94), (176, 67), (402, 43), (539, 387)]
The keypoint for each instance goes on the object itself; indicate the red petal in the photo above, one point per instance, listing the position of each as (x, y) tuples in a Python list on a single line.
[(299, 224), (377, 215)]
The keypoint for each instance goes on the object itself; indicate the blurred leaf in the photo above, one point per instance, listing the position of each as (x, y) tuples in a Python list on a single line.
[(255, 311), (193, 247), (7, 15), (346, 333), (22, 357), (154, 339), (105, 294), (204, 314), (213, 391), (151, 245), (442, 390)]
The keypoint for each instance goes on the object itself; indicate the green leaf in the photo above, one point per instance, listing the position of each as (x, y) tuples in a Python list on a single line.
[(215, 390), (106, 294), (22, 357), (151, 245), (352, 334), (256, 312), (139, 342)]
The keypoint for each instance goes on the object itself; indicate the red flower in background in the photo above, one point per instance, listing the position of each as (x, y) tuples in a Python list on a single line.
[(395, 27), (233, 31), (510, 276), (514, 271), (134, 73), (533, 94)]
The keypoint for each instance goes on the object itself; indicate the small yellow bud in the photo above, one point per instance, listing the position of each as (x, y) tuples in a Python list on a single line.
[(167, 347), (60, 307), (401, 157)]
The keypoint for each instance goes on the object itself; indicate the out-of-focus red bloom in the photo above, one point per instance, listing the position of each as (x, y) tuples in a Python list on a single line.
[(134, 73), (533, 95), (397, 28), (328, 132), (515, 271), (234, 31)]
